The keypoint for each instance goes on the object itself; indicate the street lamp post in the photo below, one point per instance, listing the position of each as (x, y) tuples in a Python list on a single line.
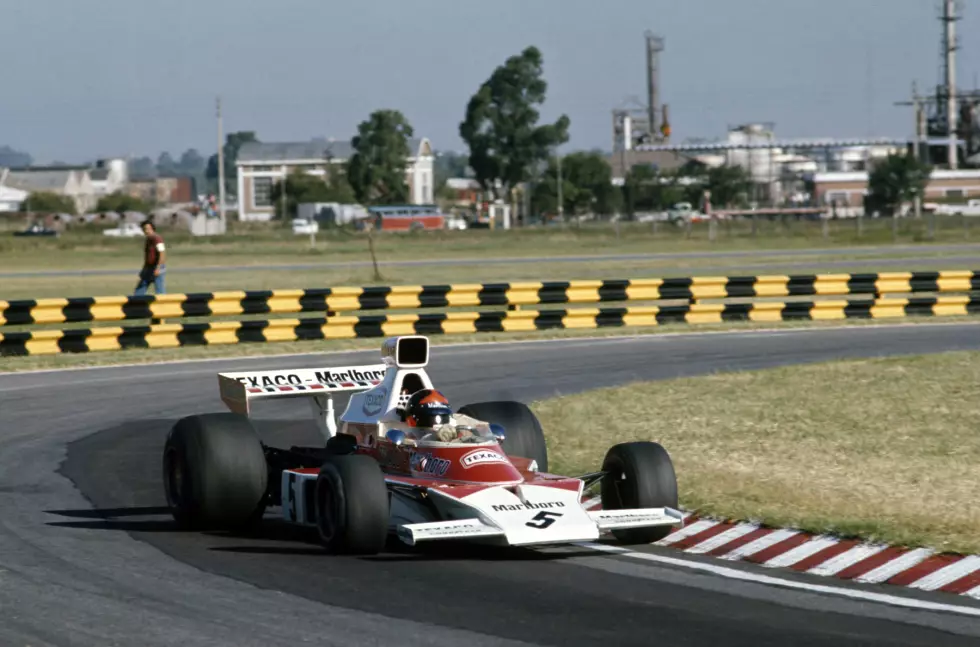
[(561, 201)]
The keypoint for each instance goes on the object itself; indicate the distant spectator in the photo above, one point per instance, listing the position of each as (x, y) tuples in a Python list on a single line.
[(154, 261)]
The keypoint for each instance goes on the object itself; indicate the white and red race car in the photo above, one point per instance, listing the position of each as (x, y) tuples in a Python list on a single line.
[(374, 477)]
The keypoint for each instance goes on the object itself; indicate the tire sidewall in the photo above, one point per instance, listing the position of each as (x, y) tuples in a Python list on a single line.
[(352, 505), (331, 508)]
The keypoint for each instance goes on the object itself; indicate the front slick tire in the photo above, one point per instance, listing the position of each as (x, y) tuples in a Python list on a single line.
[(524, 437), (352, 505), (639, 475), (214, 472)]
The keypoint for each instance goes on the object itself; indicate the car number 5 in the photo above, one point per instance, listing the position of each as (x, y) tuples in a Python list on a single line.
[(543, 519)]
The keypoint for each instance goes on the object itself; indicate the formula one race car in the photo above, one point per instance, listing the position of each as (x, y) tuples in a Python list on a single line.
[(481, 475)]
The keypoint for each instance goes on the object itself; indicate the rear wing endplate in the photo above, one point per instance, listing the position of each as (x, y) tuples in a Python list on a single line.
[(239, 390)]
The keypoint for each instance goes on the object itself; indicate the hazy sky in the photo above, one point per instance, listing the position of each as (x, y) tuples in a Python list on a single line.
[(87, 79)]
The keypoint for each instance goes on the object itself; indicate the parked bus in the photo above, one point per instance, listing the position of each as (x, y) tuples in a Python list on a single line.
[(407, 217)]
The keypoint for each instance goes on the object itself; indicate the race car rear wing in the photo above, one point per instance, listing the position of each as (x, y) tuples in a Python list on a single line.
[(239, 390)]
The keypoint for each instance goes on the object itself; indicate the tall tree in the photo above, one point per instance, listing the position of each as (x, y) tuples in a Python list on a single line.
[(233, 143), (142, 167), (376, 170), (586, 186), (14, 158), (729, 185), (166, 164), (501, 125), (895, 180), (191, 163), (46, 202), (648, 189)]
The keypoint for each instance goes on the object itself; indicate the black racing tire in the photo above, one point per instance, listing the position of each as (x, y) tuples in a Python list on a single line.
[(214, 472), (341, 444), (351, 501), (639, 475), (523, 436)]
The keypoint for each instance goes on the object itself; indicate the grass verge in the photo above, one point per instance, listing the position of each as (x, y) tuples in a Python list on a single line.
[(883, 449)]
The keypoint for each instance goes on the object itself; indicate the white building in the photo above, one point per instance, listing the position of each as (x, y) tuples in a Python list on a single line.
[(11, 199), (70, 181), (109, 176), (260, 165)]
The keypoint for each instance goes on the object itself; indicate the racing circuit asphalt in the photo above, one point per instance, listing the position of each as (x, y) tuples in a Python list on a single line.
[(88, 556)]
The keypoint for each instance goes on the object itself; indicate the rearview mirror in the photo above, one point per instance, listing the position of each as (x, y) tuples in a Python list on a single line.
[(498, 432), (395, 436)]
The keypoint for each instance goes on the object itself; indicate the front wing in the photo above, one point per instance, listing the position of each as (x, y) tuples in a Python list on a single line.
[(604, 520), (528, 515)]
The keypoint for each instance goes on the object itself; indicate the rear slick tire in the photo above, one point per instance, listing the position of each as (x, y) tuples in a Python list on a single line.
[(214, 472), (351, 501), (639, 475)]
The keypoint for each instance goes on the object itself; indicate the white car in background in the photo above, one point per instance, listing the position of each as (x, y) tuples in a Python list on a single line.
[(455, 222), (125, 230), (971, 208), (302, 226)]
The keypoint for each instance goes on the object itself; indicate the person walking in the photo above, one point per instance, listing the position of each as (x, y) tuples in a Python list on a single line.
[(154, 261)]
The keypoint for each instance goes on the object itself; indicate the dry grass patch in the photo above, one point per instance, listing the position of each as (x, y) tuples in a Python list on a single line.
[(887, 450)]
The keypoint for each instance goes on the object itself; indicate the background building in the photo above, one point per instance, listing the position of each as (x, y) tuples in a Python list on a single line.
[(162, 191), (846, 190), (262, 164), (109, 176), (71, 181)]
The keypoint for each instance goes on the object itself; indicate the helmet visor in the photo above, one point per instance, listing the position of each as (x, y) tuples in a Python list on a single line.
[(433, 417)]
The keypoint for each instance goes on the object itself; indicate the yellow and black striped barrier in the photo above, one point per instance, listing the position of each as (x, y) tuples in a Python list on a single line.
[(414, 297), (347, 326)]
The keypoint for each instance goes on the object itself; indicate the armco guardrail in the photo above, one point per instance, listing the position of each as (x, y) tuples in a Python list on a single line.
[(737, 299), (413, 297)]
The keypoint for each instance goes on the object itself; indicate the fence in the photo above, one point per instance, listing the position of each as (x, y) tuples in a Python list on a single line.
[(497, 307)]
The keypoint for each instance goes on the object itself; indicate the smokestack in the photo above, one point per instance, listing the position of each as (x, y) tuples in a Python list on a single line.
[(665, 127), (949, 54), (655, 45)]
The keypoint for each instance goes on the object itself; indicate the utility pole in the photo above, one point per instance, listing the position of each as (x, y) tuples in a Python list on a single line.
[(920, 130), (949, 63), (221, 165), (561, 201), (282, 192)]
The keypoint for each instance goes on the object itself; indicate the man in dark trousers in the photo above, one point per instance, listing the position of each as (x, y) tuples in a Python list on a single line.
[(154, 261)]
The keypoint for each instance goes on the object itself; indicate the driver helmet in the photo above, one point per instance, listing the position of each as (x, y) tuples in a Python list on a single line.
[(428, 409)]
